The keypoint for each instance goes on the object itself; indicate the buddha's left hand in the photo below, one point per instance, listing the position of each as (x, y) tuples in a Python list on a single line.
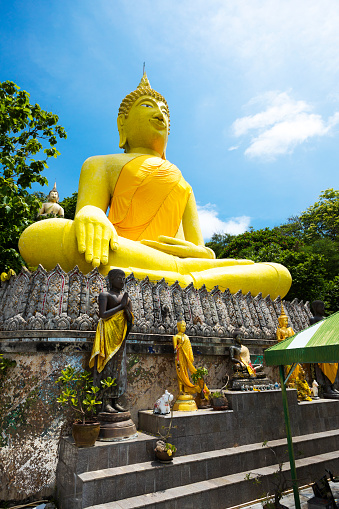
[(179, 247)]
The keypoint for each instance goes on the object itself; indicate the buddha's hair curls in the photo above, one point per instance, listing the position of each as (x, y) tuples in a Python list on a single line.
[(140, 91)]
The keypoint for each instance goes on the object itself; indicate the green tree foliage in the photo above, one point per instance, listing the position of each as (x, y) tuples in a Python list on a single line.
[(28, 136), (69, 205), (321, 220), (307, 245)]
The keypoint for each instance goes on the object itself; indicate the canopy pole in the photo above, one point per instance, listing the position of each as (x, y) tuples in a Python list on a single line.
[(289, 439), (290, 372)]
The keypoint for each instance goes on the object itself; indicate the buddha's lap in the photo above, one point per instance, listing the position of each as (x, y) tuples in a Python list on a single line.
[(53, 241)]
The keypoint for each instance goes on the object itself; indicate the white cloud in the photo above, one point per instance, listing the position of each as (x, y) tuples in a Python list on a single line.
[(260, 35), (210, 222), (235, 147), (281, 126)]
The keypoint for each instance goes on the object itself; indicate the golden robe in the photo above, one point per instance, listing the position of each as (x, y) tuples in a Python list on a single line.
[(329, 369), (109, 337), (249, 368), (184, 363), (149, 199), (184, 366)]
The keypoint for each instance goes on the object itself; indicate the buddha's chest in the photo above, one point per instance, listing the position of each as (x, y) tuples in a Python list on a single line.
[(245, 354)]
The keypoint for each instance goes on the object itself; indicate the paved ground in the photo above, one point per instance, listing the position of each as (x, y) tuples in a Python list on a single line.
[(305, 494)]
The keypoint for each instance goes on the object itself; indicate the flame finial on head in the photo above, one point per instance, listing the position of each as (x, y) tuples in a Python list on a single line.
[(54, 189), (283, 314)]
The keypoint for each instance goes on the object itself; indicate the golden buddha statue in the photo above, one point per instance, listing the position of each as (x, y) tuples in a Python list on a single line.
[(153, 227), (184, 366), (52, 206), (301, 384), (283, 331)]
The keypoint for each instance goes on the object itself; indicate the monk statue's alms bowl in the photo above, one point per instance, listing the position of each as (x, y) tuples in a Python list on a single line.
[(153, 227)]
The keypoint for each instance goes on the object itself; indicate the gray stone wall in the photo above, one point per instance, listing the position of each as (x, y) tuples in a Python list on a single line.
[(57, 300), (48, 320)]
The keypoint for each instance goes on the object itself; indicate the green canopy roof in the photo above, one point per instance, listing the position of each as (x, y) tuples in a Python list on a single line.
[(318, 343)]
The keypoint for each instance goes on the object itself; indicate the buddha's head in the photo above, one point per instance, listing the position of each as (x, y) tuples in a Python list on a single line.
[(116, 278), (283, 318), (143, 120), (237, 336), (181, 325), (53, 195), (318, 308)]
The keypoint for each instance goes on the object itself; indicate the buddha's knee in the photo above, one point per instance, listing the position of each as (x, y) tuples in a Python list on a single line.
[(42, 242)]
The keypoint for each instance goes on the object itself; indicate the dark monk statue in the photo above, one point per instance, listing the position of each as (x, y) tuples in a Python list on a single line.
[(108, 355)]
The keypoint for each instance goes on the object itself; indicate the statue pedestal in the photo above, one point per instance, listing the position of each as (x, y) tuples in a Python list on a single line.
[(116, 426), (185, 403), (237, 382)]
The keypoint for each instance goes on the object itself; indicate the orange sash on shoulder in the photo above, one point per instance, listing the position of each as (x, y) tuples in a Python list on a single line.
[(149, 199)]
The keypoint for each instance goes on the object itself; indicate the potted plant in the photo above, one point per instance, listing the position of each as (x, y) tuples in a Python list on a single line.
[(219, 401), (79, 394), (164, 451), (198, 378)]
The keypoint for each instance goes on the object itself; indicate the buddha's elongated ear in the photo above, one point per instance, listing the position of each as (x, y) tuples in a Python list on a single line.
[(121, 129)]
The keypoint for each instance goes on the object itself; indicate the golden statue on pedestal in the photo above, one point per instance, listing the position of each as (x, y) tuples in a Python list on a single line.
[(153, 227), (184, 366)]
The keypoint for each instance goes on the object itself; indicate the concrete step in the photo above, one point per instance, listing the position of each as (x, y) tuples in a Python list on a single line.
[(225, 491), (253, 417), (103, 486), (104, 454)]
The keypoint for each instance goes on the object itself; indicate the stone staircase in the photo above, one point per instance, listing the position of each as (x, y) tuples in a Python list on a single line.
[(214, 457)]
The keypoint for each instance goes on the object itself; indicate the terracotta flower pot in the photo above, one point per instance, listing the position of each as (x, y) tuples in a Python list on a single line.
[(219, 403), (86, 434), (163, 457)]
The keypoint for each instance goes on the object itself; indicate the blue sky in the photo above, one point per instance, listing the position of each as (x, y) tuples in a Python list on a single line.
[(252, 87)]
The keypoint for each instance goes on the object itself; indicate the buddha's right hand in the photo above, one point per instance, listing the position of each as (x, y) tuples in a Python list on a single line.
[(95, 235)]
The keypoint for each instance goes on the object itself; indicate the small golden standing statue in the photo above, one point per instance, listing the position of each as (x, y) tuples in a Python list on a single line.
[(184, 366), (283, 331), (52, 206)]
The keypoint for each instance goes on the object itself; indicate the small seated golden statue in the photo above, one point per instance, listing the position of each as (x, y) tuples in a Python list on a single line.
[(184, 367), (152, 228), (284, 331), (242, 367), (52, 206)]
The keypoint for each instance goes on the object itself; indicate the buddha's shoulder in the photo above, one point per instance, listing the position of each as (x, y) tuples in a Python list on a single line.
[(108, 160)]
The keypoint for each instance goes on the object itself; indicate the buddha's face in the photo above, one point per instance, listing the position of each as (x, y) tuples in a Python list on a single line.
[(283, 321), (181, 326), (53, 196), (146, 125)]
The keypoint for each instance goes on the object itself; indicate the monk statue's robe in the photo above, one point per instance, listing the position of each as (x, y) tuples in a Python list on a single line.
[(109, 353)]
